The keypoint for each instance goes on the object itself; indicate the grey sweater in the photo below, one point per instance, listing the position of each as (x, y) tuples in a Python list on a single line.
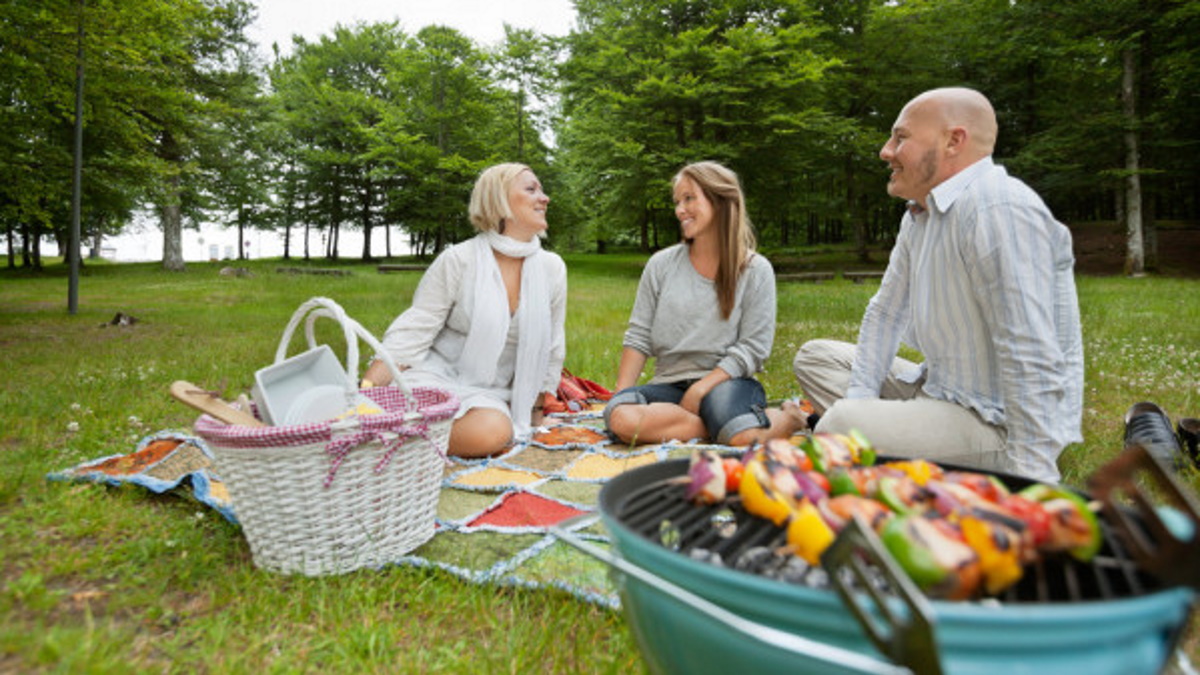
[(676, 319)]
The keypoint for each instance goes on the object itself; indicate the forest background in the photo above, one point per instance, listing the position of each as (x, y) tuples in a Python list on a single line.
[(371, 127)]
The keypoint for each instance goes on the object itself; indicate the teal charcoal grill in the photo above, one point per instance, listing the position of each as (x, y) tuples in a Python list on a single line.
[(705, 592)]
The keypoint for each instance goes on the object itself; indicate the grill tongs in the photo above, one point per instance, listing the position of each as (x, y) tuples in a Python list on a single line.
[(1167, 548), (857, 563)]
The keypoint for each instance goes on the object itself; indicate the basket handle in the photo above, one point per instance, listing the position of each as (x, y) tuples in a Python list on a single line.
[(352, 330)]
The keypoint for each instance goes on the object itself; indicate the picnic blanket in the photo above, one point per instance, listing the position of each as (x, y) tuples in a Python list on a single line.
[(493, 516)]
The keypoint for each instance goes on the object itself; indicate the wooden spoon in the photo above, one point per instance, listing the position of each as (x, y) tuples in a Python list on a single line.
[(212, 404)]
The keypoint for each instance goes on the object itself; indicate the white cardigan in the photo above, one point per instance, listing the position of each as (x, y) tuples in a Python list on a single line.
[(429, 336)]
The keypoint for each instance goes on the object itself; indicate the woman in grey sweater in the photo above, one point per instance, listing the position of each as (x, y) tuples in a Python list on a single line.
[(705, 312)]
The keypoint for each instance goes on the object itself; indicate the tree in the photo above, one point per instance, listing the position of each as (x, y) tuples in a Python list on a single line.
[(153, 89), (332, 94), (198, 43), (652, 86), (524, 65), (452, 113)]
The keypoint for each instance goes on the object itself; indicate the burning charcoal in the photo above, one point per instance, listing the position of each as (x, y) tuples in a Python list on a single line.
[(794, 570), (847, 577), (875, 579), (817, 578), (753, 559), (705, 555)]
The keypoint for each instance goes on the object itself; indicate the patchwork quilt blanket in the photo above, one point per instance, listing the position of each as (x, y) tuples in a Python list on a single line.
[(494, 515)]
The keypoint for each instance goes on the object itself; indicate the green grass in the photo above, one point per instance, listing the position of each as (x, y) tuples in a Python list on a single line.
[(96, 580)]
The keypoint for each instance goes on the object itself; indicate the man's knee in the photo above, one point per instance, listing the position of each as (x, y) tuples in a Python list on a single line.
[(813, 355), (803, 358), (841, 417)]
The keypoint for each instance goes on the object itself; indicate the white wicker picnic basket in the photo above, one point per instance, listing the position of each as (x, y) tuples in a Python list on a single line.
[(336, 496)]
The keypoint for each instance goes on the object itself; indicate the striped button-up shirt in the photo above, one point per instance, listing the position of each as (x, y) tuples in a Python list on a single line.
[(982, 284)]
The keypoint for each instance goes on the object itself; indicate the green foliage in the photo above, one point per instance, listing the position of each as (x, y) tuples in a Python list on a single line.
[(650, 87), (379, 127), (159, 79), (372, 126)]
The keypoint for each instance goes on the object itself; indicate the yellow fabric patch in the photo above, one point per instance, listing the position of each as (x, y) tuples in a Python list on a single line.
[(218, 492), (603, 466), (492, 477)]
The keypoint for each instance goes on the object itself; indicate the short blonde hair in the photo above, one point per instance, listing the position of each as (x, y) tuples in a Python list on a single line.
[(489, 200)]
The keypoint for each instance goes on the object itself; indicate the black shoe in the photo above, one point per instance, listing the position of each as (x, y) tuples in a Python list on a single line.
[(1147, 425), (1189, 435)]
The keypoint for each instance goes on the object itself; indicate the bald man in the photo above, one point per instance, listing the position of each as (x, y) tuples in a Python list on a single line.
[(981, 284)]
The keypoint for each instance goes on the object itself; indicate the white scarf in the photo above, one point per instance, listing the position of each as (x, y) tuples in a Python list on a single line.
[(490, 323)]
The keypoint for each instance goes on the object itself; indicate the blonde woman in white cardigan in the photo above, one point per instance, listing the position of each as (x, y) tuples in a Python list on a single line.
[(487, 319)]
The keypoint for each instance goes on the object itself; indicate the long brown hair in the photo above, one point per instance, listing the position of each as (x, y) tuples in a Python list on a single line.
[(721, 187)]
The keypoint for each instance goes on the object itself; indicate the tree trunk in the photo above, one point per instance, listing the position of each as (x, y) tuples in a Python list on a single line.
[(1135, 254), (645, 230), (26, 261), (172, 227), (171, 208), (241, 229), (857, 217), (521, 124), (365, 220), (1150, 236)]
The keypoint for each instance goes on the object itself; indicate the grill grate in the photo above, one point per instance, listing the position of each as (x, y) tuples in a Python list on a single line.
[(725, 534)]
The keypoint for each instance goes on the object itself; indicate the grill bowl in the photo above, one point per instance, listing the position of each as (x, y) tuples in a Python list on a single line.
[(1123, 635)]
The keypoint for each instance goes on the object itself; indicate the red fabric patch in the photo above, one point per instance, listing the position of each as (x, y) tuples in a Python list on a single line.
[(568, 435), (136, 462), (522, 509)]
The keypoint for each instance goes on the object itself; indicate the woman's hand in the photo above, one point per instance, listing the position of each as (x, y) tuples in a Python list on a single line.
[(701, 388), (378, 375), (693, 396), (539, 412)]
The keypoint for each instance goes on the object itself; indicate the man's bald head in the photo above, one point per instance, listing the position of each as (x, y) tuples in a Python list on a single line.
[(966, 108), (936, 135)]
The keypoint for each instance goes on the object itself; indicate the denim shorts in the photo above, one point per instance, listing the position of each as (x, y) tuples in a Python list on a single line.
[(729, 409)]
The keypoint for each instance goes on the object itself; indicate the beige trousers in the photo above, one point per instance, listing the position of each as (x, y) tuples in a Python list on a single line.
[(904, 421)]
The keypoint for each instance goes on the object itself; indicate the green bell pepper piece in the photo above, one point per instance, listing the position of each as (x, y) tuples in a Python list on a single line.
[(840, 483), (866, 451), (914, 557)]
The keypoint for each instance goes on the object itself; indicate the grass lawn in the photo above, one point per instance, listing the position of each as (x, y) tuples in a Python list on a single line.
[(95, 579)]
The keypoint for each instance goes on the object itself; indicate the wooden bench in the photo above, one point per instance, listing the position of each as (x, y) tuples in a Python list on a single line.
[(861, 276), (815, 277), (402, 267), (313, 270)]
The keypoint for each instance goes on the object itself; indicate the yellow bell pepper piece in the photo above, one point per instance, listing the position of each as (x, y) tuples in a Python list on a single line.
[(761, 501), (808, 534), (918, 469), (998, 560)]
